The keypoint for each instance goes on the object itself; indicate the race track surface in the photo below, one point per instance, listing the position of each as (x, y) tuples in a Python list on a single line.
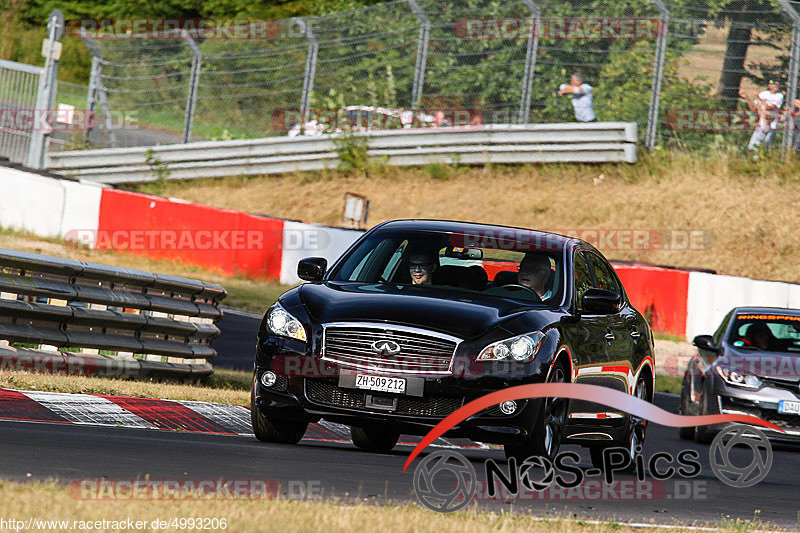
[(333, 468)]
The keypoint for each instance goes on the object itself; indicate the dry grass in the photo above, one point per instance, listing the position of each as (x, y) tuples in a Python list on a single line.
[(226, 387), (253, 295), (751, 208), (50, 501)]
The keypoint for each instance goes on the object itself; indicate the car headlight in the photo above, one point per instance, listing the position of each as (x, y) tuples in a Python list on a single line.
[(738, 379), (521, 349), (282, 323)]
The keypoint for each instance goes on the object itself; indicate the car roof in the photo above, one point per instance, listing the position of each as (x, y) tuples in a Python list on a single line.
[(481, 229), (766, 310)]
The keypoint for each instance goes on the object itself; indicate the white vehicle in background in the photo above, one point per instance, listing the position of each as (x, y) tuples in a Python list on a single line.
[(364, 118)]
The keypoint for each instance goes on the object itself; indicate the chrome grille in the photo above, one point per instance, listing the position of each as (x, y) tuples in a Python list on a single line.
[(420, 352)]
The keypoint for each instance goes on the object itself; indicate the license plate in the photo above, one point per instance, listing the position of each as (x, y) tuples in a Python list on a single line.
[(381, 383), (789, 407)]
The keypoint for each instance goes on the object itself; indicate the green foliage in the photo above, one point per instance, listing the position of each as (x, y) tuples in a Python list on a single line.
[(352, 150), (158, 169)]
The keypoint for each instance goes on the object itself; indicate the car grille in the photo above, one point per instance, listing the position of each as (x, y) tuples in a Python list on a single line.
[(781, 420), (326, 393), (420, 353)]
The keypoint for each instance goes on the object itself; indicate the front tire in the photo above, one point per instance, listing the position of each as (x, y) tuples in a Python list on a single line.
[(278, 431), (545, 439), (634, 440), (704, 434), (374, 439)]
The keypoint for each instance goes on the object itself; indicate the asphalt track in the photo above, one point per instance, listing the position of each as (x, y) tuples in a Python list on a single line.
[(38, 451), (335, 469)]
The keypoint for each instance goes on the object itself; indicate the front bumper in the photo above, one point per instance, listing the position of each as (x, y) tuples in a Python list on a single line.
[(315, 398), (761, 403)]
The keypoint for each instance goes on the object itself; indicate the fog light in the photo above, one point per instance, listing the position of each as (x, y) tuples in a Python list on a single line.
[(508, 407), (268, 378)]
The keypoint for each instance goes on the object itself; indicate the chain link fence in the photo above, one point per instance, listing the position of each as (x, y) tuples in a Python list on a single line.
[(675, 68)]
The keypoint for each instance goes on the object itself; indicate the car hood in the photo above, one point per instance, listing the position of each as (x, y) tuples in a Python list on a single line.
[(463, 314)]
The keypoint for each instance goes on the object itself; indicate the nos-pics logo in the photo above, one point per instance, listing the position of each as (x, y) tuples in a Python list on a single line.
[(446, 481)]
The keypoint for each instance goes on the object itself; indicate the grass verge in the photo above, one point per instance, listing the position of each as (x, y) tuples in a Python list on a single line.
[(225, 386), (243, 293), (51, 501)]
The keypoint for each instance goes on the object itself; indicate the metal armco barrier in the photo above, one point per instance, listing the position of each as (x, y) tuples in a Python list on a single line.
[(75, 317), (574, 142)]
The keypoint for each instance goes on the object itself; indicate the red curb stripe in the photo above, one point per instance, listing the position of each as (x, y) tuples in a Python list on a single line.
[(15, 405), (166, 414)]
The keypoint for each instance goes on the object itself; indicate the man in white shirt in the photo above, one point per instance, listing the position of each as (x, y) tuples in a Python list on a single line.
[(768, 105), (581, 97)]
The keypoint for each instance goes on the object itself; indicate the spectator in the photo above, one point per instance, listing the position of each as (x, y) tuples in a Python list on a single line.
[(794, 112), (768, 105), (581, 97)]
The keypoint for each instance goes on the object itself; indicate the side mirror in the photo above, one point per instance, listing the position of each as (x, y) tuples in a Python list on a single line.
[(312, 269), (705, 343), (601, 302)]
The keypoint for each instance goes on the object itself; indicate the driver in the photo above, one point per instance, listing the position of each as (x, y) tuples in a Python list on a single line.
[(534, 271), (759, 336), (422, 264)]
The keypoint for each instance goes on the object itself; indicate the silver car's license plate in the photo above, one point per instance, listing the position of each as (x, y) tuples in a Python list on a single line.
[(380, 383), (789, 407)]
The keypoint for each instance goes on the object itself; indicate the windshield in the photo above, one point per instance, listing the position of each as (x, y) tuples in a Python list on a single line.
[(767, 332), (444, 260)]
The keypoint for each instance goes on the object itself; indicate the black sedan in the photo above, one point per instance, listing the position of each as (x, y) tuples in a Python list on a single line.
[(750, 365), (419, 317)]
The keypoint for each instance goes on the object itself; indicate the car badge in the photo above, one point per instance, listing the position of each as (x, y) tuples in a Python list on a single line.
[(385, 347)]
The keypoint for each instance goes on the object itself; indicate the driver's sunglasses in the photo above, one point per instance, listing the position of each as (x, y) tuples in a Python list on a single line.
[(419, 266)]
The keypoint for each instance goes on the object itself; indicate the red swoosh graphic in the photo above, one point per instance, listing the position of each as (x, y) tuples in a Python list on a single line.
[(578, 391)]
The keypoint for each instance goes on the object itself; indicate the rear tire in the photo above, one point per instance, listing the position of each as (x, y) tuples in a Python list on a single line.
[(545, 439), (374, 439), (704, 434), (686, 433), (278, 431)]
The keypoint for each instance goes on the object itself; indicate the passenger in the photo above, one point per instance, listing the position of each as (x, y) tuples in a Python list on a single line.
[(421, 265), (534, 272), (759, 336)]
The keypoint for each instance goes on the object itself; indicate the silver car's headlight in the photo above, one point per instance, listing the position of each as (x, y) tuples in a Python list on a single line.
[(739, 379), (282, 323), (522, 348)]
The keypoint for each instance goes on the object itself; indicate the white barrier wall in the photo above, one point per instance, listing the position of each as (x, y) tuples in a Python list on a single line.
[(310, 240), (46, 207), (711, 296)]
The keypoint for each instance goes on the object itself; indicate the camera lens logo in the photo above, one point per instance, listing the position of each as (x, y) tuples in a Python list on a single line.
[(456, 482), (728, 469)]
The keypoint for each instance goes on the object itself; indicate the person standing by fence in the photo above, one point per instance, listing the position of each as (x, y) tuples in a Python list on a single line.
[(581, 97), (768, 105)]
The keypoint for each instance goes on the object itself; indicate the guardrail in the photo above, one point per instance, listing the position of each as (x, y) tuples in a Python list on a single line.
[(595, 142), (75, 317)]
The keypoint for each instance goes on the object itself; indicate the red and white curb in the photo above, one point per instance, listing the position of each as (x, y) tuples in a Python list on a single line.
[(150, 413)]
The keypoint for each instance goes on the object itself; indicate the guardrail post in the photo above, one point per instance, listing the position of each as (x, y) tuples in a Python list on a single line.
[(46, 97), (422, 53), (794, 64), (658, 74), (194, 76), (96, 91), (311, 68), (530, 63)]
